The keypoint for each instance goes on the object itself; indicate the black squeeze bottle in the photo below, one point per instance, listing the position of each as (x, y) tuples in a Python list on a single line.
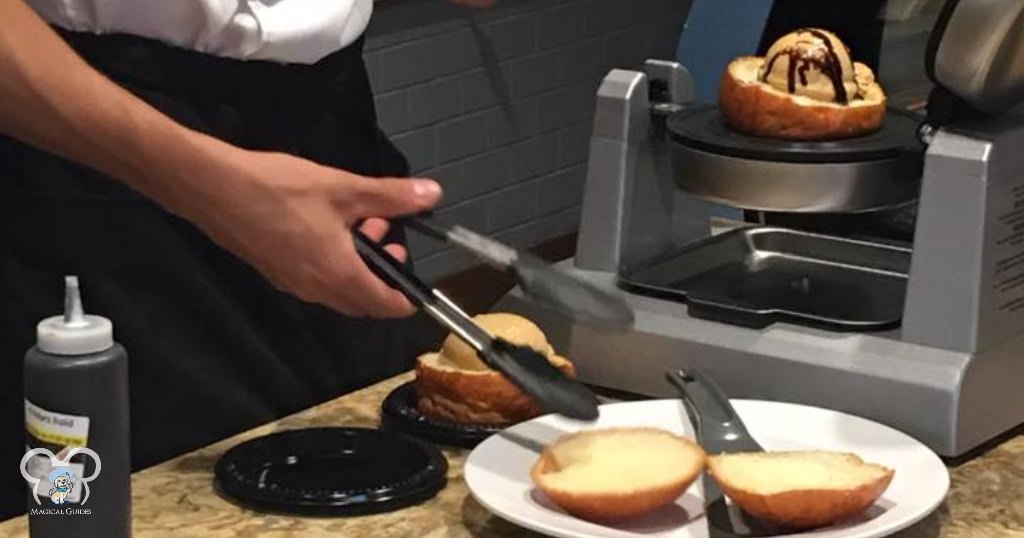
[(76, 395)]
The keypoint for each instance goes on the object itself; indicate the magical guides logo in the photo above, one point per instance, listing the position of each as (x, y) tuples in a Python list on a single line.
[(61, 477)]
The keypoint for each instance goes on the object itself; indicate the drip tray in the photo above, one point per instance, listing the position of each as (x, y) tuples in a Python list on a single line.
[(757, 276)]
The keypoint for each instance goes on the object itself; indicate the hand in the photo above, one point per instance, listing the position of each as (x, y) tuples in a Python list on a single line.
[(291, 219), (288, 217)]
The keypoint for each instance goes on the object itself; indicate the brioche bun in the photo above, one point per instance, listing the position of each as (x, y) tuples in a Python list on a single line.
[(617, 473), (453, 394), (753, 107), (800, 489)]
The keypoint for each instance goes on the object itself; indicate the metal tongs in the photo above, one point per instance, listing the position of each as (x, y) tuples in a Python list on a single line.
[(719, 431), (523, 366), (543, 284)]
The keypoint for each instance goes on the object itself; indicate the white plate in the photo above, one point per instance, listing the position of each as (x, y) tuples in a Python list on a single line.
[(497, 471)]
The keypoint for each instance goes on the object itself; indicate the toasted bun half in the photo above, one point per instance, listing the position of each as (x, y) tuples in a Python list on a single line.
[(452, 394), (617, 473), (800, 489), (753, 107)]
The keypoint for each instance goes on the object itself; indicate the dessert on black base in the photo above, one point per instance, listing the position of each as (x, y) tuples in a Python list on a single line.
[(454, 385)]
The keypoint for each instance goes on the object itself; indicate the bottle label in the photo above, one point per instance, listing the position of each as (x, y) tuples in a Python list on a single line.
[(57, 434)]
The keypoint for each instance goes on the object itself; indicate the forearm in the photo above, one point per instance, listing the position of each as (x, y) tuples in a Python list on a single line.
[(290, 218), (50, 98)]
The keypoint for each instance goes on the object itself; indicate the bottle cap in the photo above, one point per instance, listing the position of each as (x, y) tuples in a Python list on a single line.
[(74, 333)]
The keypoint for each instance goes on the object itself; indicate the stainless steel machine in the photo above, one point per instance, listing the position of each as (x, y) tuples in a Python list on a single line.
[(925, 336)]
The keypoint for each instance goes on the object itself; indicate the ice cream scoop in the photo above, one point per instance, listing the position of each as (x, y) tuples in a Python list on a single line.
[(813, 63)]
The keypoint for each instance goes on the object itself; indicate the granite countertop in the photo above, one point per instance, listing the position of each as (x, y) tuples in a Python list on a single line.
[(176, 498)]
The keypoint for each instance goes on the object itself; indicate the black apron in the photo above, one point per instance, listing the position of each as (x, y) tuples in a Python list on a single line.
[(213, 348)]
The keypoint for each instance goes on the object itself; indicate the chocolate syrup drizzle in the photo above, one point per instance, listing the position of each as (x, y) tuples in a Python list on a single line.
[(802, 59)]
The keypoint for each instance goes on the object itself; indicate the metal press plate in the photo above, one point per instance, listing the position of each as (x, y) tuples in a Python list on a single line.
[(794, 187), (870, 173)]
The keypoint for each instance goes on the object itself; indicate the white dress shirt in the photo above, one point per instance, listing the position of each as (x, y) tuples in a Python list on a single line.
[(292, 31)]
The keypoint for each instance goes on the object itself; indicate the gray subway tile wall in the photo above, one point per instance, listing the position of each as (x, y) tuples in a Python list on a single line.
[(498, 104), (392, 111), (434, 101), (419, 147), (573, 144), (462, 136), (483, 174), (509, 124), (561, 25), (512, 206), (512, 37), (477, 91), (537, 156), (534, 74), (560, 191)]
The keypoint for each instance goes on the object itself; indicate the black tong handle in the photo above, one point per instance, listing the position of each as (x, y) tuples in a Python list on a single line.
[(422, 295), (393, 272), (426, 225)]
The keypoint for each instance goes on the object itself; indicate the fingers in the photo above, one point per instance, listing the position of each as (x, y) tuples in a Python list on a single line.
[(375, 229), (397, 251), (381, 300), (356, 290), (387, 302), (389, 197), (378, 300), (364, 295), (347, 285)]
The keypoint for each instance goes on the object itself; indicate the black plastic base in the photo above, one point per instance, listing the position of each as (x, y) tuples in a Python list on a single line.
[(399, 413)]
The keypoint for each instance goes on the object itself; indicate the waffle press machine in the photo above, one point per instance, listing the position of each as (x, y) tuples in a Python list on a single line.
[(926, 336)]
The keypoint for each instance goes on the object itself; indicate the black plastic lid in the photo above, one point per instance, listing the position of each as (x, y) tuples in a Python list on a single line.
[(702, 127), (331, 472), (399, 412)]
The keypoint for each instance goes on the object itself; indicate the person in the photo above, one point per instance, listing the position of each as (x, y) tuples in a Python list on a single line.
[(200, 165)]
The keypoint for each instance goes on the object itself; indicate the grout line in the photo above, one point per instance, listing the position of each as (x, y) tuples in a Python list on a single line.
[(479, 197), (522, 225)]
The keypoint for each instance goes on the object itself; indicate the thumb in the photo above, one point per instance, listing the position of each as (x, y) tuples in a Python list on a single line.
[(393, 197)]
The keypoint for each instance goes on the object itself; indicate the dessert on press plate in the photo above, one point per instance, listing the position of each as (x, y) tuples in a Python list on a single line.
[(807, 87)]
